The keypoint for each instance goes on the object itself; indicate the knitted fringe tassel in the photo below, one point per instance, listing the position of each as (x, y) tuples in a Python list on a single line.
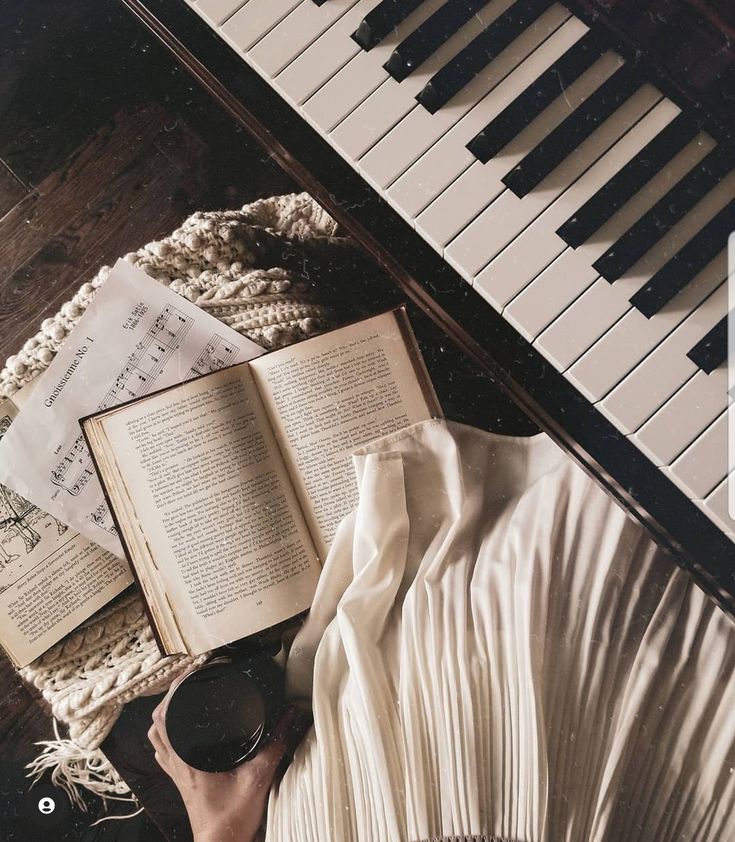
[(73, 768)]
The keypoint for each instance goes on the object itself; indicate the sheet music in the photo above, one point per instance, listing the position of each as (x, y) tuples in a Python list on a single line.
[(136, 337), (22, 524), (51, 578)]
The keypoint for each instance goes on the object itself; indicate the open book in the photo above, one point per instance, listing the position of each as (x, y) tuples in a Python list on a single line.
[(228, 489)]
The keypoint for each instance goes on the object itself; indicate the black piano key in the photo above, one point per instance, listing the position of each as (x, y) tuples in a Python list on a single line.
[(575, 129), (649, 229), (677, 272), (318, 2), (626, 183), (711, 351), (413, 51), (382, 20), (457, 73), (534, 99)]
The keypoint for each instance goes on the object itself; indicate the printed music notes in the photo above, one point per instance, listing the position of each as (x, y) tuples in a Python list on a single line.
[(137, 377), (150, 357), (75, 468), (219, 353)]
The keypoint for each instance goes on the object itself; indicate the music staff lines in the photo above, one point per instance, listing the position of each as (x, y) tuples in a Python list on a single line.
[(217, 354), (151, 355), (137, 377)]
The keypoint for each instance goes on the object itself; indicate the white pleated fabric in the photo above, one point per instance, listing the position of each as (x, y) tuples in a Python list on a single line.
[(496, 649)]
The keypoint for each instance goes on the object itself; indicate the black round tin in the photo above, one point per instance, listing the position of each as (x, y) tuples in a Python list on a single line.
[(220, 714)]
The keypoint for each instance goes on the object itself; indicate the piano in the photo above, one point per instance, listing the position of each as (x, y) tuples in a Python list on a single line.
[(554, 183)]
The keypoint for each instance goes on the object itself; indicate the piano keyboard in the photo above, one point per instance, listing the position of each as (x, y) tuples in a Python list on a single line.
[(569, 192)]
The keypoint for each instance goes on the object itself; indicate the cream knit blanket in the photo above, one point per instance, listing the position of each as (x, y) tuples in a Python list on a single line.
[(250, 268)]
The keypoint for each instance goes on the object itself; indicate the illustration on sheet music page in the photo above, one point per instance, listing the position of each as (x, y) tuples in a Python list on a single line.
[(137, 336), (26, 533)]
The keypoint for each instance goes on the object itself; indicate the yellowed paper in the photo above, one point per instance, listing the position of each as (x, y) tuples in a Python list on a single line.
[(332, 394), (209, 503)]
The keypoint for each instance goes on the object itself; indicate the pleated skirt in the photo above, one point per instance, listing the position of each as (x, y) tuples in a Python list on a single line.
[(496, 649)]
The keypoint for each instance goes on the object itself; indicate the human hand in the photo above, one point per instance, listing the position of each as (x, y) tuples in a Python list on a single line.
[(227, 806)]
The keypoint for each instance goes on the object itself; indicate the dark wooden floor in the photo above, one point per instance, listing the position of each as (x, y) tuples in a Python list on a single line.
[(112, 167), (105, 144)]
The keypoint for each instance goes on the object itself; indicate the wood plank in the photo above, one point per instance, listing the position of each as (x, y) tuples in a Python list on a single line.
[(11, 190), (45, 212), (23, 722), (65, 70), (235, 169), (143, 202), (99, 193)]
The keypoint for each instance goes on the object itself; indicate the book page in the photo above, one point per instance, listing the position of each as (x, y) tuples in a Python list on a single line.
[(211, 502), (136, 337), (51, 578), (331, 394)]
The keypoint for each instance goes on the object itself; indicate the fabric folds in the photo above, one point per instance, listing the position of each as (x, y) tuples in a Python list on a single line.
[(496, 649)]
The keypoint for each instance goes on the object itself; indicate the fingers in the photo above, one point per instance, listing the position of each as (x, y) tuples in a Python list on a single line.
[(159, 716), (158, 737), (155, 738), (157, 734), (159, 720), (285, 737), (161, 751), (164, 752)]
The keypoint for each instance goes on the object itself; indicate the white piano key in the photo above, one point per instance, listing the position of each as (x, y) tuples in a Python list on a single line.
[(497, 226), (405, 143), (216, 12), (294, 33), (466, 197), (539, 244), (551, 292), (616, 353), (324, 58), (653, 381), (703, 465), (362, 75), (554, 289), (393, 100), (480, 184), (437, 168), (600, 306), (570, 335), (683, 417), (257, 17), (715, 506)]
